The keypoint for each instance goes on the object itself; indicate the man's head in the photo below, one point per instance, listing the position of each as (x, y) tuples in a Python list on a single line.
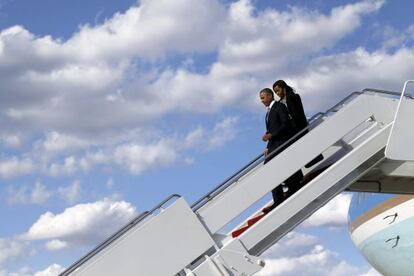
[(280, 87), (266, 96)]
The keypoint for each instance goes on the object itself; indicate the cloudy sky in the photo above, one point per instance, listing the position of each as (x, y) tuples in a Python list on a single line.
[(108, 107)]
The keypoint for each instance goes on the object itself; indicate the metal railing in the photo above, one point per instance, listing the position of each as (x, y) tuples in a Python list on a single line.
[(251, 165), (314, 121), (115, 236), (394, 93)]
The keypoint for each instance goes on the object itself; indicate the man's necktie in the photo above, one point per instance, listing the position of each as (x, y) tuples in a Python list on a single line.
[(267, 114)]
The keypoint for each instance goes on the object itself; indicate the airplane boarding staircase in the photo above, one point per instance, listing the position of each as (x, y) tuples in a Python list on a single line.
[(355, 137)]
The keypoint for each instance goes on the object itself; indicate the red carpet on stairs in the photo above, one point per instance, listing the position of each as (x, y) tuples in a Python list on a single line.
[(250, 222)]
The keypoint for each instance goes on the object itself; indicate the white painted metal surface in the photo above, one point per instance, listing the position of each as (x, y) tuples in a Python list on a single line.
[(223, 208), (161, 246), (398, 168), (208, 267), (233, 259), (314, 190), (400, 144), (179, 242)]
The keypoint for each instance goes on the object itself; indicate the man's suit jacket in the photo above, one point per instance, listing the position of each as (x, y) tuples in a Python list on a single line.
[(277, 124)]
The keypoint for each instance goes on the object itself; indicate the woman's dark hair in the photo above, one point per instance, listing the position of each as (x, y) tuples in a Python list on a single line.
[(282, 84)]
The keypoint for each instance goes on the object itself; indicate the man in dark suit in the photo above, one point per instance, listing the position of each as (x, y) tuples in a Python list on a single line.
[(278, 131)]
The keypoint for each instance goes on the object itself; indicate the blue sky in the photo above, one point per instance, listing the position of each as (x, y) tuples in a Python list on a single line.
[(108, 107)]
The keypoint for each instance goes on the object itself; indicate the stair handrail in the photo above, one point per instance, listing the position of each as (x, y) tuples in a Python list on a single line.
[(315, 120), (116, 235), (394, 93), (251, 165)]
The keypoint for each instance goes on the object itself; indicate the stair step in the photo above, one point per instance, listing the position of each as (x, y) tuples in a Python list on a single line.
[(250, 222), (239, 231)]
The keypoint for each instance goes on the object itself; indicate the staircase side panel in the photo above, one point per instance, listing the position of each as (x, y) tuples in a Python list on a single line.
[(313, 191), (163, 246), (240, 196), (400, 143)]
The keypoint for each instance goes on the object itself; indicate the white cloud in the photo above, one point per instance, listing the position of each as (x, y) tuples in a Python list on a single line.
[(344, 73), (78, 224), (11, 250), (69, 166), (24, 271), (151, 30), (110, 183), (394, 38), (47, 76), (41, 194), (18, 196), (52, 270), (333, 214), (256, 37), (371, 272), (223, 132), (301, 254), (55, 245), (189, 160), (56, 143), (92, 159), (319, 261), (293, 244), (73, 79), (38, 194), (10, 167), (12, 141), (267, 45), (138, 158), (71, 193), (194, 138)]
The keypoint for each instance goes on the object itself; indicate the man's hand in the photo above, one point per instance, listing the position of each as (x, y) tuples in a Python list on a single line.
[(267, 137), (265, 152)]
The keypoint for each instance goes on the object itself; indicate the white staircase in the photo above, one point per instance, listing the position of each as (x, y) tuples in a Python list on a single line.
[(176, 239)]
